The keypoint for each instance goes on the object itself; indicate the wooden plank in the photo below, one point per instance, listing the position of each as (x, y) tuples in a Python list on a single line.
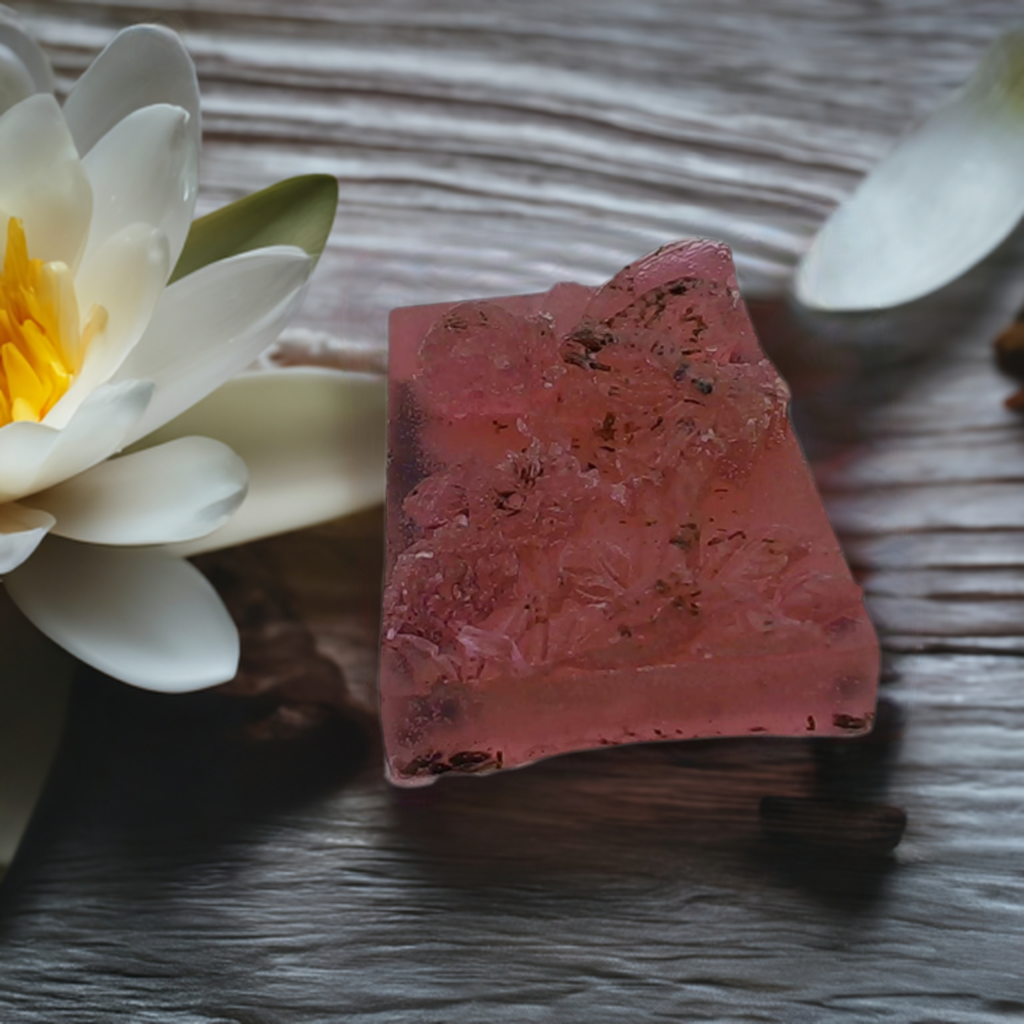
[(211, 859)]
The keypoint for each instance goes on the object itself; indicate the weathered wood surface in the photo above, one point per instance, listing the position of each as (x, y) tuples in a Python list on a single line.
[(212, 859)]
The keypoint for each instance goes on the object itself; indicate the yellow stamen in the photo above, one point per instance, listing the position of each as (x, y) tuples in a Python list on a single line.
[(41, 349)]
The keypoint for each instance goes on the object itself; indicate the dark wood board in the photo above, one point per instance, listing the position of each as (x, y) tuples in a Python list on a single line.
[(237, 857)]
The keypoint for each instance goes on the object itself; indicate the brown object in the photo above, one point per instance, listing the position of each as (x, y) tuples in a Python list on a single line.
[(1015, 402), (307, 606), (1009, 348)]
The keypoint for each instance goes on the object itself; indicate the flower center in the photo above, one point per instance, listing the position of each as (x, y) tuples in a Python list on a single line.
[(41, 343)]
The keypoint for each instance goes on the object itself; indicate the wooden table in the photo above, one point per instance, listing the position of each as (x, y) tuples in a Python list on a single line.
[(216, 859)]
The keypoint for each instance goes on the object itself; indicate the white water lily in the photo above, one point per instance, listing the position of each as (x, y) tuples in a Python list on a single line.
[(98, 351), (945, 197)]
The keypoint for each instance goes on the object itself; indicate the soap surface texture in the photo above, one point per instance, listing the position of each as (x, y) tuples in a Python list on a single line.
[(602, 530)]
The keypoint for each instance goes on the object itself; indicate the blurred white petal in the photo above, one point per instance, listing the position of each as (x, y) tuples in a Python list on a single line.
[(16, 83), (138, 614), (21, 45), (941, 201), (34, 687)]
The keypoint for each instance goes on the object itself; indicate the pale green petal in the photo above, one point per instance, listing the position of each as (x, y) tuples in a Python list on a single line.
[(299, 211)]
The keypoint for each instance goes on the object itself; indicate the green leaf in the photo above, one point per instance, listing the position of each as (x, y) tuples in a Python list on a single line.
[(35, 679), (299, 211)]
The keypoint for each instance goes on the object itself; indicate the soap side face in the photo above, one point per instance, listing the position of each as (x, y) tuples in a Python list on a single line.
[(601, 529)]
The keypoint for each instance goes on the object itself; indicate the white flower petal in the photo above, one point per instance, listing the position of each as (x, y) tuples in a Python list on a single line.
[(21, 532), (28, 52), (137, 614), (144, 170), (126, 277), (211, 324), (313, 441), (941, 201), (34, 456), (34, 687), (16, 83), (42, 181), (142, 65), (174, 492)]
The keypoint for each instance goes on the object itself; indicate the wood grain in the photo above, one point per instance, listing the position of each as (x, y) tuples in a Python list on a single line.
[(212, 859)]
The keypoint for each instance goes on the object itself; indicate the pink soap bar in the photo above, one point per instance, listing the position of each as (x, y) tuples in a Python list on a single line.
[(602, 530)]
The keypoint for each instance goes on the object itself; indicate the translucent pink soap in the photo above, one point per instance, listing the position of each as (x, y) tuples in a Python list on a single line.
[(602, 530)]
